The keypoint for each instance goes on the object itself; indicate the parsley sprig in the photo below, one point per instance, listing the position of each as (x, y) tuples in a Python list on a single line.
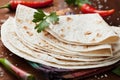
[(43, 21)]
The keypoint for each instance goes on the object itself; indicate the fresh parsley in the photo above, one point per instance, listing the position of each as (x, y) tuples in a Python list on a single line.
[(43, 21)]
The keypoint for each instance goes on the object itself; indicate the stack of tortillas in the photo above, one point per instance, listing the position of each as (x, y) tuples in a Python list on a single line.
[(76, 42)]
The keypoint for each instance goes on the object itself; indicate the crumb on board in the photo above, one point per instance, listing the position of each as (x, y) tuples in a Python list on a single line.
[(100, 76)]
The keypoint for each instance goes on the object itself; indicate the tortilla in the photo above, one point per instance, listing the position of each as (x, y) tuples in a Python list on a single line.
[(30, 58), (72, 48), (26, 32), (91, 30), (13, 40)]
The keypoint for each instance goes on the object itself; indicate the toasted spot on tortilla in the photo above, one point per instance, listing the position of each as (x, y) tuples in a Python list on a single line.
[(46, 33), (25, 27), (39, 43), (87, 33), (93, 40), (19, 20), (29, 33), (62, 35), (62, 30), (68, 19), (99, 35), (116, 33)]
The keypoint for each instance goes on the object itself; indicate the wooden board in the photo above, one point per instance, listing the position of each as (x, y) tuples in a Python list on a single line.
[(58, 5)]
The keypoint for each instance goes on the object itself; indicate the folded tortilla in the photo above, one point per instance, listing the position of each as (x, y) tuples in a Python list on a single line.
[(90, 29)]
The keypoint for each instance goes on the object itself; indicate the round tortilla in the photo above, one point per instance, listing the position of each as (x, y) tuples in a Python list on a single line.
[(26, 32), (4, 33), (13, 40)]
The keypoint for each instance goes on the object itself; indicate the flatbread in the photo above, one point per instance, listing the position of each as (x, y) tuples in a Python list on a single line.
[(91, 30), (26, 32), (13, 40), (5, 41)]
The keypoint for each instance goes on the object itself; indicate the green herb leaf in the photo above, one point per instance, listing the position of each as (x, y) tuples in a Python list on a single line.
[(42, 25), (53, 17), (70, 1), (43, 21), (77, 2), (38, 16)]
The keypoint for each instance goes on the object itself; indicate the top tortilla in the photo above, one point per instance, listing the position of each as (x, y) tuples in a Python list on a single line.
[(90, 29)]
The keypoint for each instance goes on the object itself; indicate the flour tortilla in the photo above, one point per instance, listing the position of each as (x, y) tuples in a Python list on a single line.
[(90, 29), (4, 33), (45, 46), (116, 30), (73, 48), (26, 32), (13, 40)]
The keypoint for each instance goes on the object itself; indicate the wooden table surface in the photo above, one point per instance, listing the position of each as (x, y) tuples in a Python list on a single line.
[(58, 4)]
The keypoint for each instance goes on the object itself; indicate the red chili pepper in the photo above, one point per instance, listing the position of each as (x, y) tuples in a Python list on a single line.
[(85, 7), (34, 4)]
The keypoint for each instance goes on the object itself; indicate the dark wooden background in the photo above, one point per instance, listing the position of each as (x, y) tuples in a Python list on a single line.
[(58, 5)]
